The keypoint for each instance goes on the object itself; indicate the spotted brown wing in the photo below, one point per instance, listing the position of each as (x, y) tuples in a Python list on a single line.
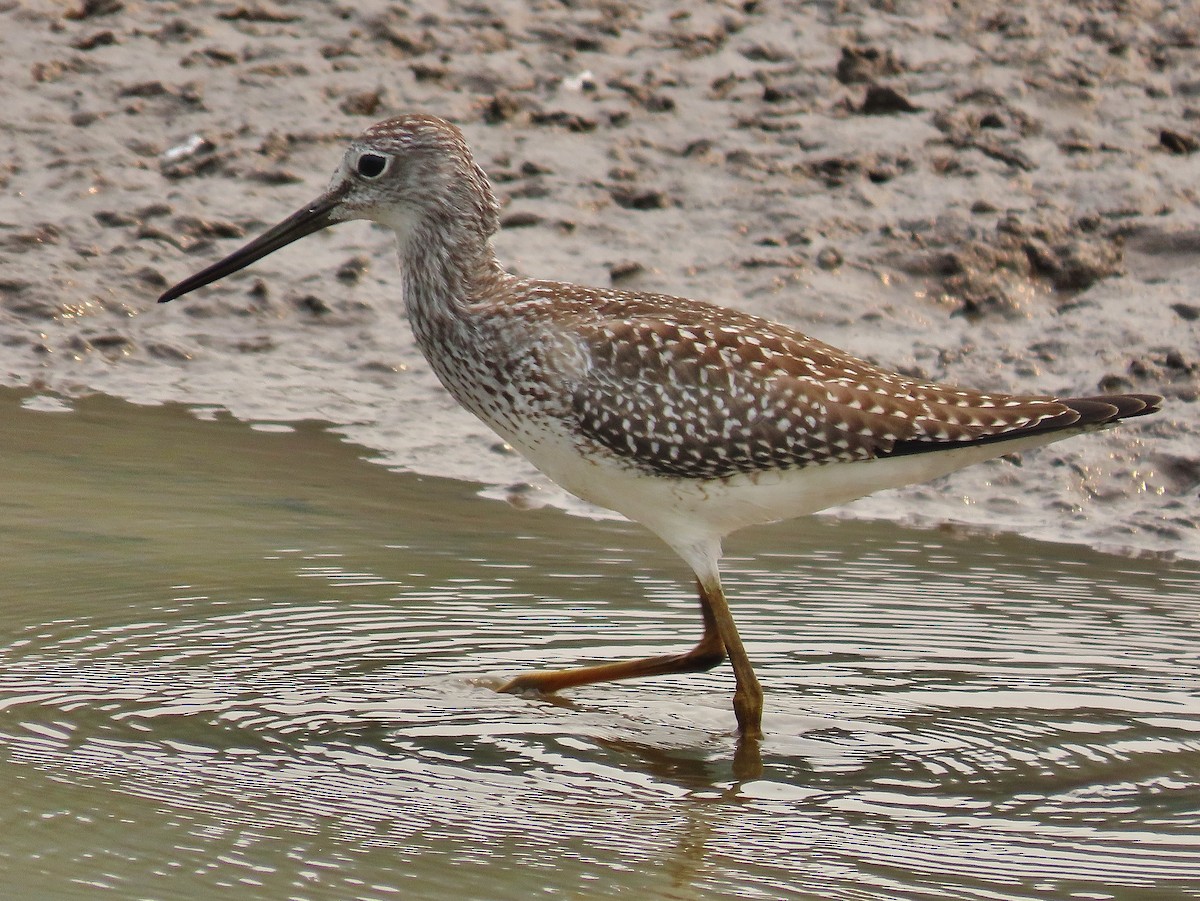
[(710, 399)]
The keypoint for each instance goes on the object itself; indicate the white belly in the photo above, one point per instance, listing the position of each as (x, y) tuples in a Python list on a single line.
[(689, 512)]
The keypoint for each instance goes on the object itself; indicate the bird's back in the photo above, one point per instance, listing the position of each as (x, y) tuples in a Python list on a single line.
[(689, 390)]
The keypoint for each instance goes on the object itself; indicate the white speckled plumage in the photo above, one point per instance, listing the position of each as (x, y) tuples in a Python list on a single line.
[(692, 419)]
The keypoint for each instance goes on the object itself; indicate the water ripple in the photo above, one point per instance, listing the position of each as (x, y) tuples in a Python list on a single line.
[(304, 710)]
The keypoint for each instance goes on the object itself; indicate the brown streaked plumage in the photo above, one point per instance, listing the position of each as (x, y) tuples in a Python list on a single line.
[(693, 419)]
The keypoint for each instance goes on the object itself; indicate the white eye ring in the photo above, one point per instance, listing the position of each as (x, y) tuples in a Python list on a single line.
[(371, 165)]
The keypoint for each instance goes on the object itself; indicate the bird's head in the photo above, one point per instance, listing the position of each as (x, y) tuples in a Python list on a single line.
[(413, 174)]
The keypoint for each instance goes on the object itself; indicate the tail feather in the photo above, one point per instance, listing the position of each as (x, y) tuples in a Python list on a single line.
[(1077, 414), (1122, 406)]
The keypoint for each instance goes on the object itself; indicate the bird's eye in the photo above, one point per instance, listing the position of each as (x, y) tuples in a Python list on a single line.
[(371, 165)]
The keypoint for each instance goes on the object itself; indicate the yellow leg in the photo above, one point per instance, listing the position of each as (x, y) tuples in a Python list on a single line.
[(708, 652), (748, 696), (720, 640)]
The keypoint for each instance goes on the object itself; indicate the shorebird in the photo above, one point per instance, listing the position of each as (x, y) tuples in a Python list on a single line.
[(691, 419)]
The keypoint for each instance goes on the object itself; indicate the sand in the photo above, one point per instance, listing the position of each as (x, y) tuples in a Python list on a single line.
[(995, 196)]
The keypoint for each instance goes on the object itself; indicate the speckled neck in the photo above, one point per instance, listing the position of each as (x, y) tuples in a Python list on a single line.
[(444, 268)]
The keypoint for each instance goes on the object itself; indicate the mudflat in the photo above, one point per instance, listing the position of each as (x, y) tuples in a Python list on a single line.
[(998, 198)]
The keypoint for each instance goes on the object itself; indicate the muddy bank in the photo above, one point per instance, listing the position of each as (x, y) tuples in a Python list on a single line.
[(992, 198)]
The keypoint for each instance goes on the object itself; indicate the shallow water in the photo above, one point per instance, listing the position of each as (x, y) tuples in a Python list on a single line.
[(244, 662)]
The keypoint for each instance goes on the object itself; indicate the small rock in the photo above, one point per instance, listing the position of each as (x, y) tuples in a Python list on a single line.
[(767, 53), (91, 8), (1177, 143), (92, 41), (834, 171), (882, 101), (114, 218), (1174, 360), (274, 176), (859, 65), (829, 259), (428, 71), (194, 155), (643, 95), (882, 174), (353, 270), (500, 108), (257, 12), (570, 121), (534, 189), (1186, 311), (144, 89), (54, 70), (177, 31), (625, 270), (405, 39), (1114, 384), (214, 56), (362, 103), (151, 277), (520, 219), (522, 495), (112, 342), (310, 303), (277, 70), (196, 227), (1073, 266), (646, 199), (583, 81)]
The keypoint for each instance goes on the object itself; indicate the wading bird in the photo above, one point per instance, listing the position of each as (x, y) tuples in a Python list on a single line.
[(691, 419)]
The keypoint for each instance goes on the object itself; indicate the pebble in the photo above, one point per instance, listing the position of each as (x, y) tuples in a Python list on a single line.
[(829, 259)]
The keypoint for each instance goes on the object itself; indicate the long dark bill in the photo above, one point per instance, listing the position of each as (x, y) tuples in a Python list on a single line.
[(314, 217)]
